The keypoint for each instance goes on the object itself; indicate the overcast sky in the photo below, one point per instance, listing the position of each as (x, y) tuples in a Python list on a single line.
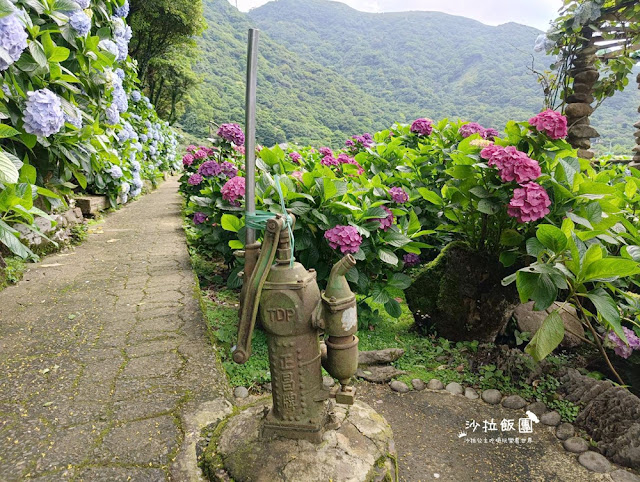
[(536, 13)]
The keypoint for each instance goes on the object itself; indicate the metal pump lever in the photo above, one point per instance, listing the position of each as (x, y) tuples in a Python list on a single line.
[(251, 299)]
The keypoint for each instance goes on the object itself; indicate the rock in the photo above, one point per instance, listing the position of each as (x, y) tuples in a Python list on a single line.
[(240, 392), (587, 77), (418, 384), (358, 449), (595, 462), (328, 382), (621, 475), (582, 98), (531, 321), (379, 357), (575, 445), (582, 88), (455, 388), (379, 374), (492, 396), (580, 130), (514, 401), (637, 125), (92, 205), (585, 154), (435, 384), (537, 407), (551, 418), (460, 294), (565, 431), (578, 110), (398, 386), (470, 393)]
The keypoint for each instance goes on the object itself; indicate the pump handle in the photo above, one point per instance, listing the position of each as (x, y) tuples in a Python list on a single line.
[(251, 299)]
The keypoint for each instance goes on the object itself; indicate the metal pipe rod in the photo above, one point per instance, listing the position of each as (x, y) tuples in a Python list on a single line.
[(250, 129)]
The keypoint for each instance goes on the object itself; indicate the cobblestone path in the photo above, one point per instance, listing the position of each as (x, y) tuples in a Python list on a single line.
[(104, 357)]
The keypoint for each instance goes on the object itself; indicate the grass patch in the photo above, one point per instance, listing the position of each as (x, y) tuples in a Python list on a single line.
[(13, 272)]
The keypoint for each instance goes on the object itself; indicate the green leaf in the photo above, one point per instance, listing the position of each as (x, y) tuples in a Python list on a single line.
[(393, 308), (379, 295), (551, 237), (329, 188), (232, 223), (38, 53), (537, 287), (488, 207), (59, 54), (414, 224), (570, 167), (395, 239), (388, 257), (611, 268), (9, 174), (547, 338), (631, 252), (236, 244), (400, 281), (534, 247), (508, 258), (430, 196), (606, 306), (10, 240), (81, 178), (511, 237), (28, 174), (7, 131)]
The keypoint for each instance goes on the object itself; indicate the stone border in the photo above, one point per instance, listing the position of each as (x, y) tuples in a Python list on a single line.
[(565, 432)]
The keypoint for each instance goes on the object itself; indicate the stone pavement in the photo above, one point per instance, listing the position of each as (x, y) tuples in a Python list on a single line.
[(104, 356)]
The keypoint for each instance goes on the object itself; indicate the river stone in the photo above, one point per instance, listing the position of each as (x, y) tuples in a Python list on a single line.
[(581, 130), (575, 445), (537, 407), (435, 384), (379, 357), (585, 154), (565, 431), (581, 98), (578, 110), (240, 392), (530, 321), (455, 388), (418, 384), (551, 418), (587, 77), (379, 374), (470, 393), (361, 448), (621, 475), (492, 396), (398, 386), (595, 462), (582, 88), (514, 401)]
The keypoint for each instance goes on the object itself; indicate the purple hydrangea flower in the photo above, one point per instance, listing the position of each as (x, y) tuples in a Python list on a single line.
[(490, 133), (123, 49), (187, 159), (122, 12), (113, 114), (83, 3), (80, 23), (75, 118), (295, 157), (199, 218), (346, 238), (325, 151), (411, 259), (228, 169), (398, 195), (136, 95), (43, 113), (114, 171), (329, 161), (233, 190), (209, 169), (13, 39), (471, 128), (120, 73), (363, 141), (194, 179), (386, 222), (621, 348), (422, 126), (231, 133)]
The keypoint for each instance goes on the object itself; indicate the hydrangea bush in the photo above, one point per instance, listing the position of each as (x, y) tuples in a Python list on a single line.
[(71, 110)]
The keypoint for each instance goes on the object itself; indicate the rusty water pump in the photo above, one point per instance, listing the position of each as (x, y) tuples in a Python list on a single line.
[(306, 329)]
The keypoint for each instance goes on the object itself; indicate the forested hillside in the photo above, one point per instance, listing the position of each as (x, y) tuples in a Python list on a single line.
[(327, 71)]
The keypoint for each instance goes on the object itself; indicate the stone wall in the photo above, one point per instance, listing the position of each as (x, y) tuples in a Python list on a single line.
[(609, 414), (60, 231)]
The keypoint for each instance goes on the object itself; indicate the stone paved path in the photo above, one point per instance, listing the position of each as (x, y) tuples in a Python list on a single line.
[(104, 355)]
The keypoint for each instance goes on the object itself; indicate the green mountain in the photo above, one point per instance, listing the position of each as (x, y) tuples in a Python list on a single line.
[(327, 71)]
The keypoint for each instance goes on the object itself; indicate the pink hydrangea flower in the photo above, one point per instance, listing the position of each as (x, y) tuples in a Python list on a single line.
[(239, 149), (194, 179), (187, 160), (201, 154), (345, 159), (550, 122), (530, 202), (411, 259), (191, 148), (386, 222), (231, 133), (346, 238), (513, 164), (329, 161), (297, 175), (398, 195), (233, 190), (325, 151), (422, 126), (490, 133), (295, 157), (471, 128), (621, 348)]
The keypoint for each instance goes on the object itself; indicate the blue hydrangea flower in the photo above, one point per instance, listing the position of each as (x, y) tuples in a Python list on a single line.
[(43, 114), (114, 171), (153, 150), (147, 124), (143, 138), (123, 136), (123, 11), (74, 118), (123, 49), (83, 3), (125, 188), (13, 39), (136, 95), (135, 168), (120, 73), (80, 23), (136, 192), (109, 45), (113, 114)]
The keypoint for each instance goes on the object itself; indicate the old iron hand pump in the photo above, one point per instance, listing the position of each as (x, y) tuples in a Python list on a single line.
[(294, 315)]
